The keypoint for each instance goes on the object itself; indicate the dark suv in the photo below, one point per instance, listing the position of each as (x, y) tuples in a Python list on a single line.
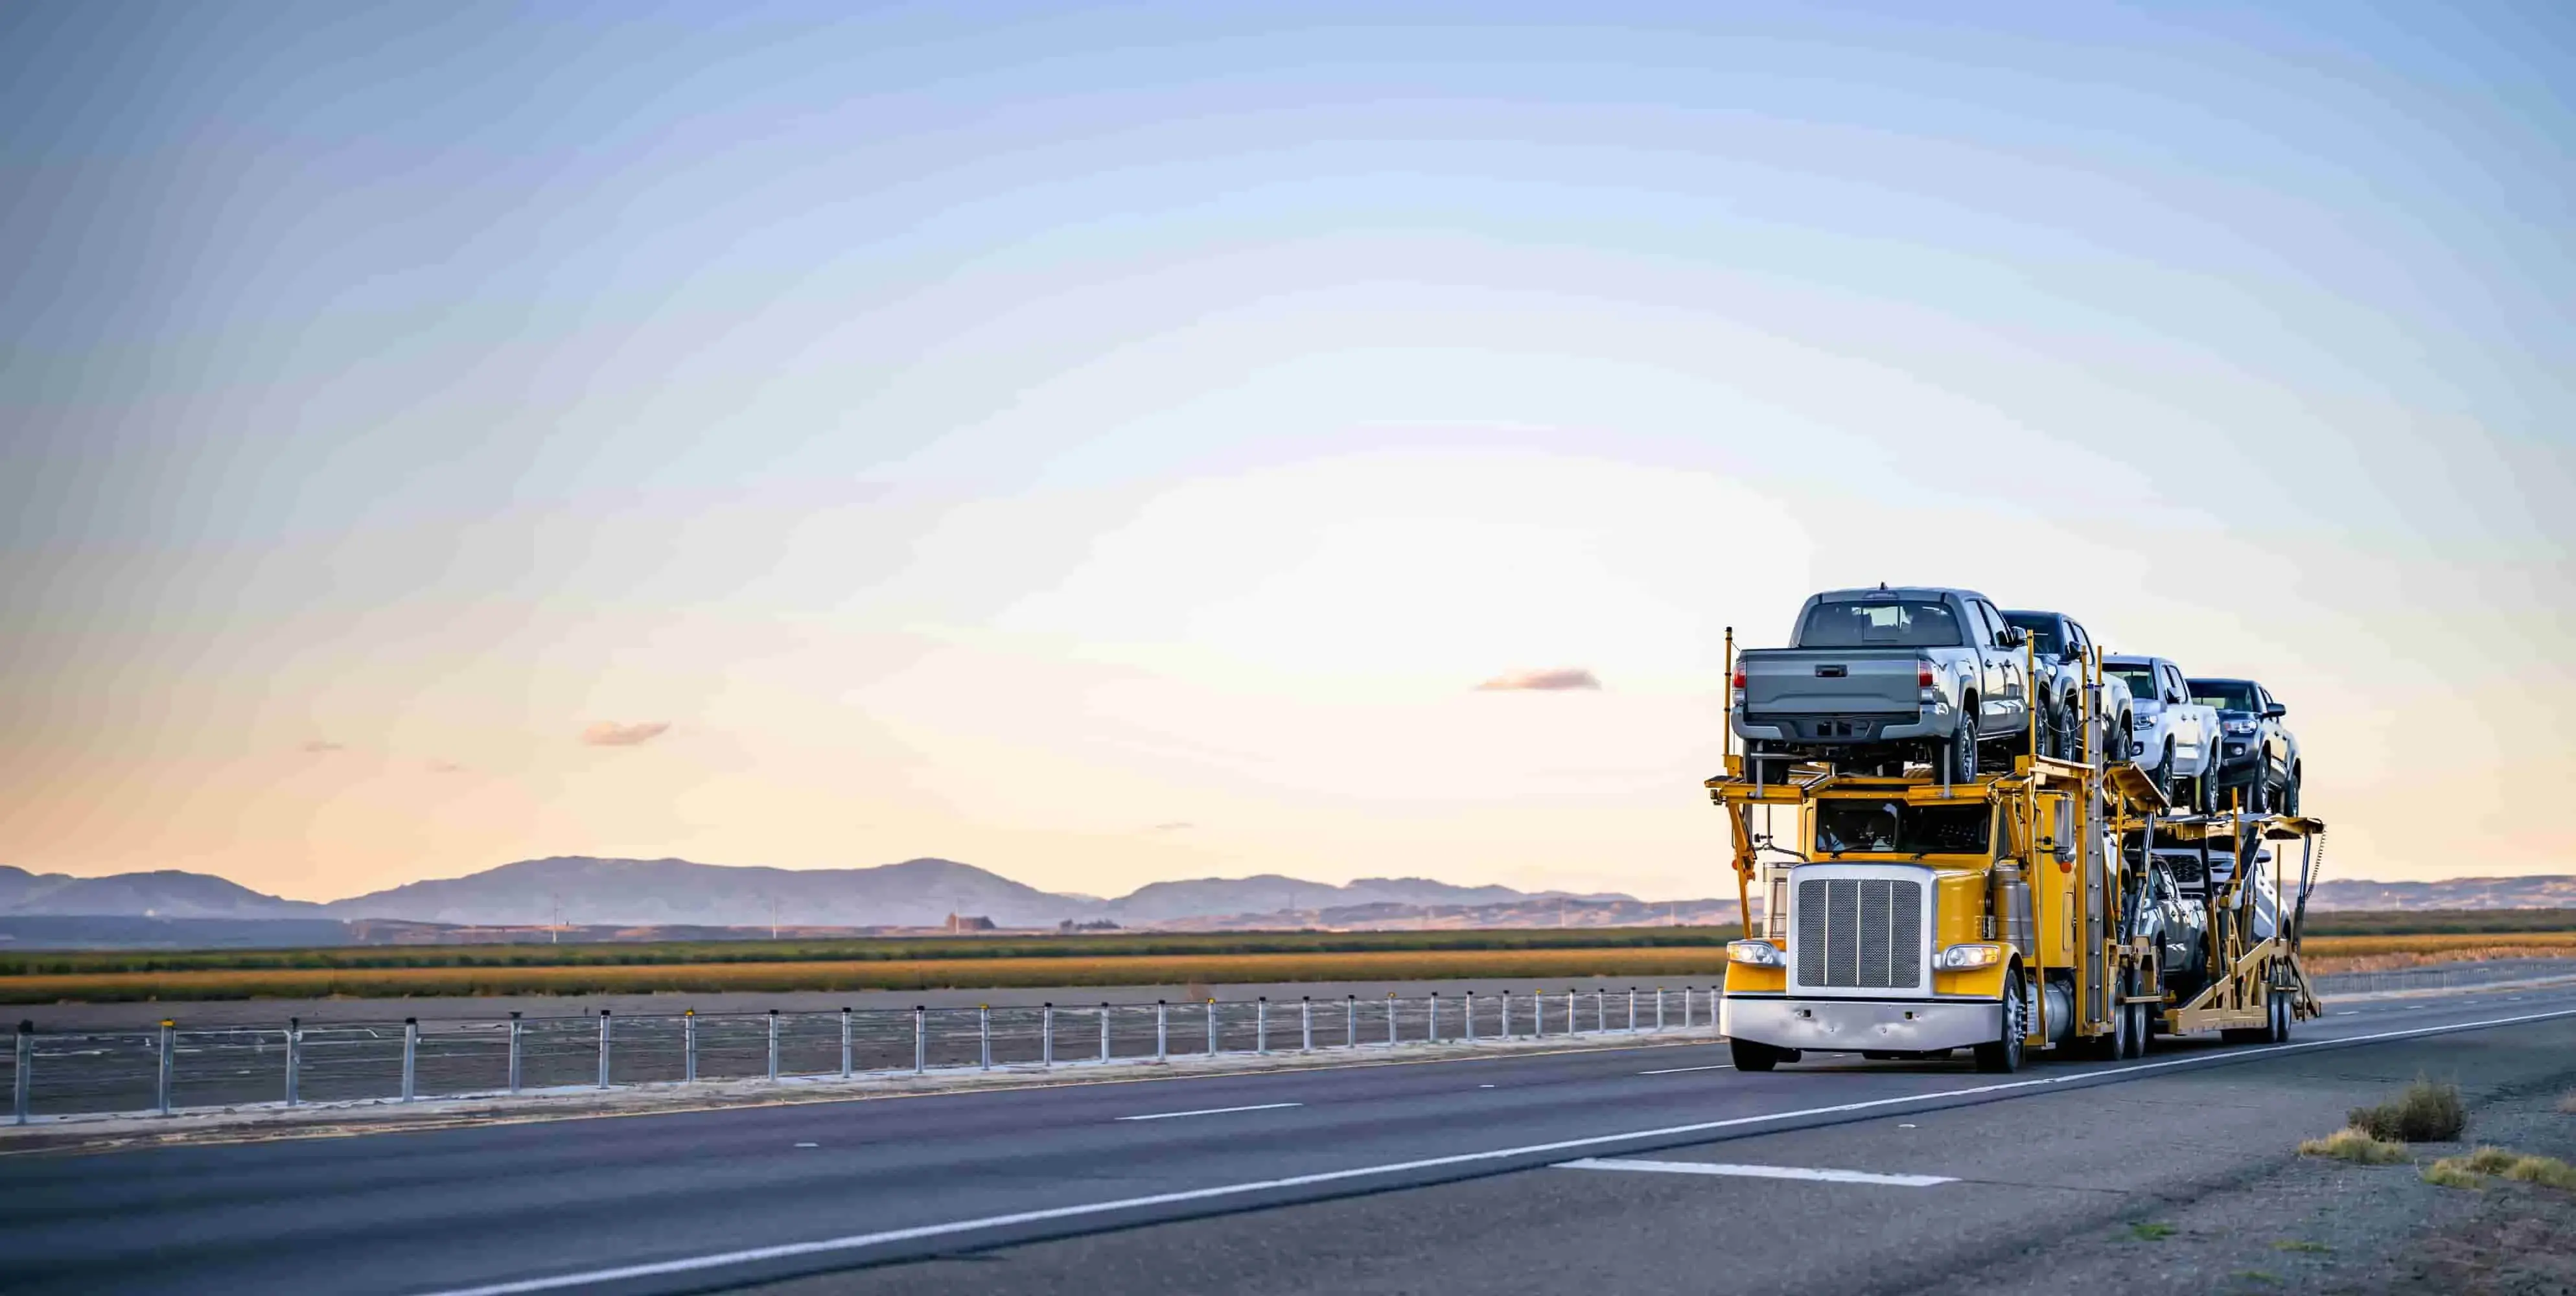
[(2256, 752)]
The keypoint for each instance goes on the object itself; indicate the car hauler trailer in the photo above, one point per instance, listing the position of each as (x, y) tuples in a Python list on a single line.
[(1919, 915)]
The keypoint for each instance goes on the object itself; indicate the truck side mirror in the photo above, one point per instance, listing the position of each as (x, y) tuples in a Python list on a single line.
[(2275, 711), (2013, 637)]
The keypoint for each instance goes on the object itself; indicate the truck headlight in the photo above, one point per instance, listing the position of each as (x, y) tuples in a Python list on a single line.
[(2240, 727), (1754, 953), (1960, 958)]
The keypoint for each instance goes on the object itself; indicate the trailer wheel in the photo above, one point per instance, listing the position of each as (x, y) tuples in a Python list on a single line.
[(2282, 1016), (2141, 1028), (2003, 1056), (1750, 1056)]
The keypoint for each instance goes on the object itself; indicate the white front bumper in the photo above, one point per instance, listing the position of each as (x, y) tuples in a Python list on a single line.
[(1854, 1025)]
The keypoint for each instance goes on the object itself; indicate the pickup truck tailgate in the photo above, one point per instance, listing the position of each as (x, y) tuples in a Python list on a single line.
[(1829, 681)]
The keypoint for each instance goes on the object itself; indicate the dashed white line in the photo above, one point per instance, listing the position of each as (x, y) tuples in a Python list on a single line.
[(951, 1228), (1210, 1111), (1756, 1171), (1719, 1066)]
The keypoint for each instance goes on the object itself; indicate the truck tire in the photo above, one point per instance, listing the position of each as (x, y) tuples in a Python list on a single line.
[(2163, 773), (2282, 1017), (1750, 1056), (2141, 1030), (2003, 1056), (1955, 759), (2290, 794)]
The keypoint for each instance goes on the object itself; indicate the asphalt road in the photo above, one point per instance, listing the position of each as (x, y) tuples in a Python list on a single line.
[(1434, 1176)]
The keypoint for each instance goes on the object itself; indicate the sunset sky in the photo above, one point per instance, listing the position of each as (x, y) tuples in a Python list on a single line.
[(1109, 445)]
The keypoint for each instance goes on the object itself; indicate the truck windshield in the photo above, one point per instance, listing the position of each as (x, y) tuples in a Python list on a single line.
[(1876, 624), (2043, 631), (2226, 695), (1846, 824), (2140, 679)]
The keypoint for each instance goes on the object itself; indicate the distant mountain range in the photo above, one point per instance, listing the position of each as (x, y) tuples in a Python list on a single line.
[(924, 892), (669, 892)]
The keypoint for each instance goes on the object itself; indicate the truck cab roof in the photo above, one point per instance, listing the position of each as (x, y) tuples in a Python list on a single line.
[(1918, 592)]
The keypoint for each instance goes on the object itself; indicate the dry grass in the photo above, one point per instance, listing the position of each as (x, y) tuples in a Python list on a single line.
[(2425, 1113), (2356, 1146), (2328, 954), (2472, 1170), (2452, 1172), (2549, 1172), (1522, 965)]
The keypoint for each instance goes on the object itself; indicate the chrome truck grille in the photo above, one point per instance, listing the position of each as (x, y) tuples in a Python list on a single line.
[(1859, 933)]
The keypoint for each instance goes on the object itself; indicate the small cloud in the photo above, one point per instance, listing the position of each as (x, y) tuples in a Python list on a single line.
[(1177, 825), (445, 767), (609, 733), (317, 745), (1542, 681)]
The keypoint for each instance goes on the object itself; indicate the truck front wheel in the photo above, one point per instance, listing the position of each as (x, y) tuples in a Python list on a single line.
[(2003, 1055), (1750, 1056)]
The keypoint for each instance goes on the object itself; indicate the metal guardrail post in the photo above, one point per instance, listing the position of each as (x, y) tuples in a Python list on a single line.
[(1506, 1032), (1659, 1007), (1632, 1010), (1261, 1024), (161, 1082), (1573, 1020), (920, 1039), (603, 1048), (514, 1052), (1046, 1035), (1431, 1034), (1600, 1011), (984, 1036), (24, 1078), (1686, 1007), (1350, 1021), (773, 1043), (1390, 1019), (689, 1045), (1305, 1023), (1471, 1017), (1104, 1030), (1211, 1025), (294, 1057), (411, 1058), (845, 1043), (1162, 1031)]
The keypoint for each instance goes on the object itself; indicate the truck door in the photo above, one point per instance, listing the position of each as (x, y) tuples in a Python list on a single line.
[(2001, 687)]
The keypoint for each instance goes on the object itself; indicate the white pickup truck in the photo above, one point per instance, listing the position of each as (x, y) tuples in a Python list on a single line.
[(2175, 738)]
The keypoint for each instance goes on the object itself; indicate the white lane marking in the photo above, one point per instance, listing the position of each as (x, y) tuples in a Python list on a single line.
[(1210, 1111), (2349, 1012), (812, 1145), (1756, 1171), (1484, 1086), (1720, 1066), (860, 1241)]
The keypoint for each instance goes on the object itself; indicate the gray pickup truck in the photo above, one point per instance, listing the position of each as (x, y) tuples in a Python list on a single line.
[(1874, 678)]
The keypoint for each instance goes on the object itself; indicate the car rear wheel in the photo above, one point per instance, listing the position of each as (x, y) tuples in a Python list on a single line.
[(1956, 760), (2290, 795), (2164, 774)]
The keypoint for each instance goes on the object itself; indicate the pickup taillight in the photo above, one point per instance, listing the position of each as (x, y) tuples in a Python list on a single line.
[(1738, 683), (1922, 673)]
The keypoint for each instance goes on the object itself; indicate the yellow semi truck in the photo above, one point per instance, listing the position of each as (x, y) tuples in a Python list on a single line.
[(2030, 909)]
